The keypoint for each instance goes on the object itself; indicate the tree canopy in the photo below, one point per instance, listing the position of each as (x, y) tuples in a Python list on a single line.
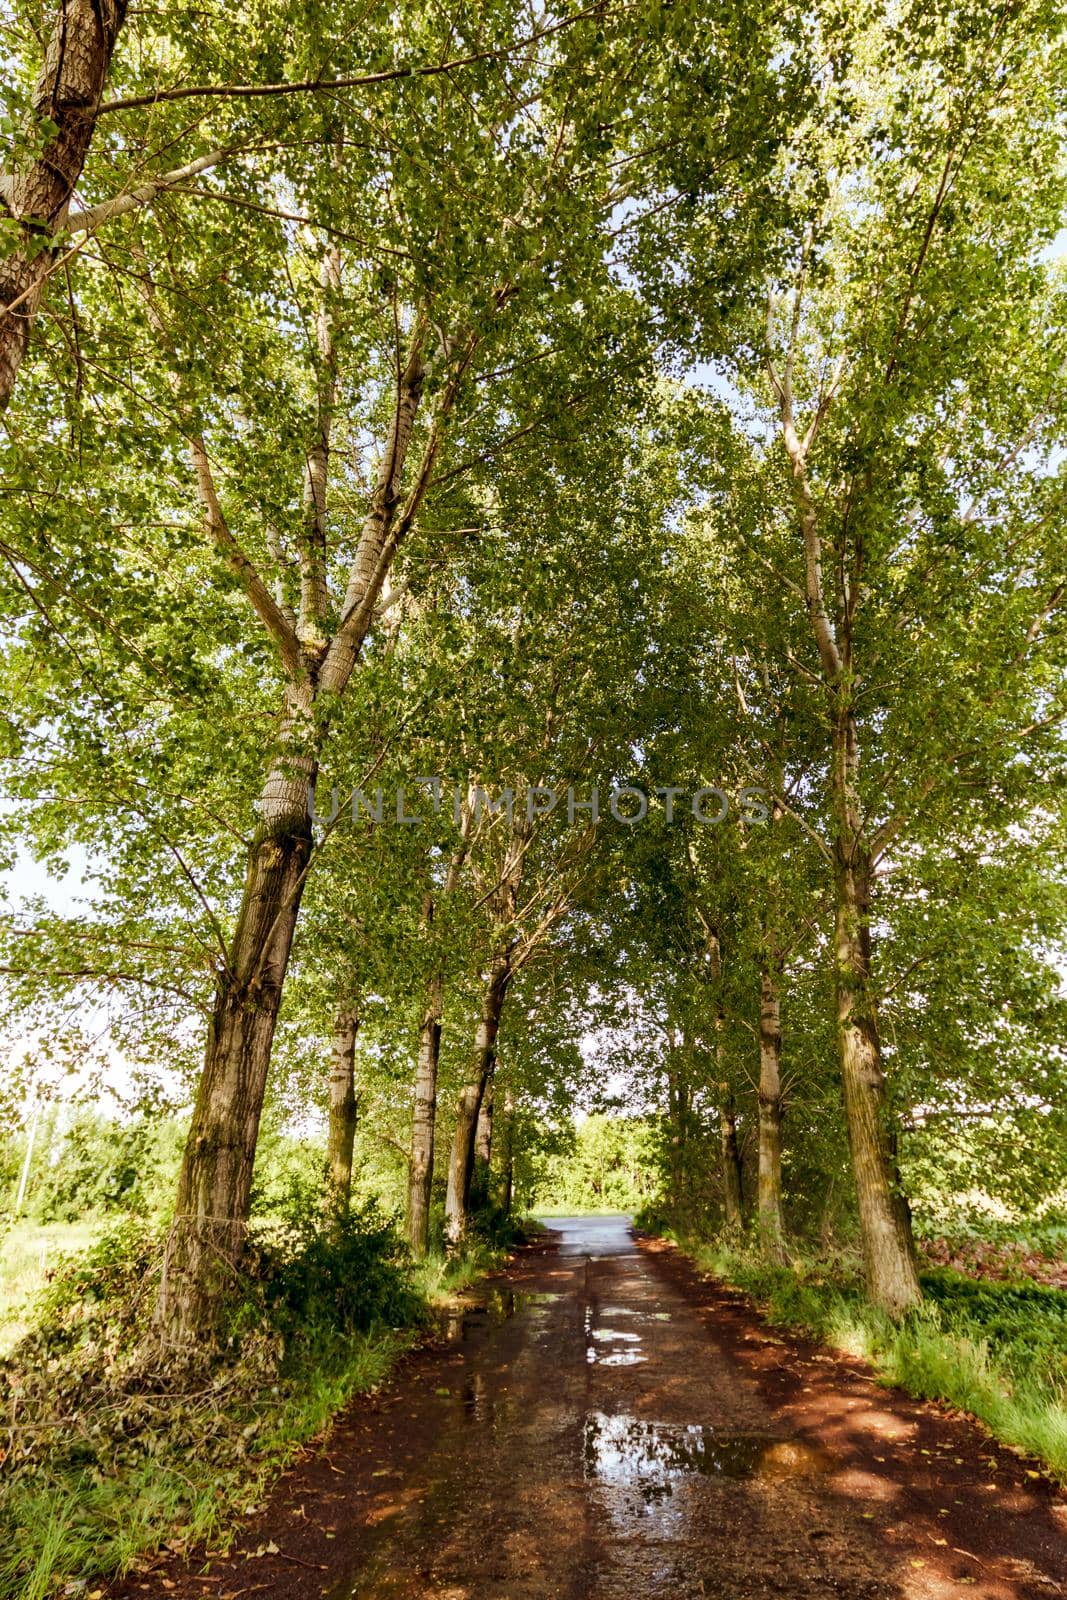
[(626, 440)]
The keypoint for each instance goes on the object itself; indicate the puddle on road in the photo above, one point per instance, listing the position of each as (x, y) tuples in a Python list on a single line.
[(629, 1355), (602, 1345), (651, 1457), (635, 1311), (457, 1323)]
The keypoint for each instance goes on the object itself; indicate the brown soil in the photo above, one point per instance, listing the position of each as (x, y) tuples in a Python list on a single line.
[(600, 1422)]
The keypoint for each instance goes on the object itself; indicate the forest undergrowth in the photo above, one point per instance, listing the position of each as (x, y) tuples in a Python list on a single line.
[(108, 1452)]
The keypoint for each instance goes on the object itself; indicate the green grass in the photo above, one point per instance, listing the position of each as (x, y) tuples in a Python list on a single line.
[(995, 1350), (142, 1467), (439, 1277), (28, 1252), (79, 1525)]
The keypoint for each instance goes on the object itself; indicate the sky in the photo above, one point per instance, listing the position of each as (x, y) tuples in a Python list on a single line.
[(28, 879)]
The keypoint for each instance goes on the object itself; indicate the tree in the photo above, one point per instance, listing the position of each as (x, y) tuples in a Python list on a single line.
[(909, 368), (316, 655), (36, 196)]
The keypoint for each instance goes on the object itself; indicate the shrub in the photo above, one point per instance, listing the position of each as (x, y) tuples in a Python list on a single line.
[(110, 1451), (341, 1279), (652, 1218)]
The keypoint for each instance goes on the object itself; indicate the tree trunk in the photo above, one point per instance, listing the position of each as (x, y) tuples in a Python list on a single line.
[(461, 1164), (27, 1162), (677, 1120), (343, 1110), (420, 1172), (885, 1221), (731, 1161), (424, 1122), (730, 1154), (770, 1118), (68, 93), (827, 1218), (507, 1154), (211, 1212), (483, 1138)]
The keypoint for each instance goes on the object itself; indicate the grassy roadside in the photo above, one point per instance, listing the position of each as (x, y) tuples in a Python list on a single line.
[(69, 1526), (28, 1251), (995, 1350), (102, 1461)]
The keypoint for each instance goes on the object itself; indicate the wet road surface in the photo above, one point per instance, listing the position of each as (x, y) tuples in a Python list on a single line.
[(600, 1423), (593, 1441)]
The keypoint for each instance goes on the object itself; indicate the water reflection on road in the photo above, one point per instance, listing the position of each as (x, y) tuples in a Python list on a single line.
[(593, 1441), (592, 1236), (626, 1451)]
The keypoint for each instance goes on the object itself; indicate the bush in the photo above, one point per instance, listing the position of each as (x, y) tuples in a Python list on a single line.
[(652, 1218), (497, 1228), (110, 1451), (343, 1279)]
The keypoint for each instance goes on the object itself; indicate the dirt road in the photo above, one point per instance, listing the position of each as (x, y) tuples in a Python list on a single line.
[(600, 1423)]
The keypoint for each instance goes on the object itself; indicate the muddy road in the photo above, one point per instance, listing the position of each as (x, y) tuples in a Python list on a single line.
[(598, 1422)]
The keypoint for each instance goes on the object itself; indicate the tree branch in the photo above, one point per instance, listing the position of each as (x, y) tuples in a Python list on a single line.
[(93, 217), (241, 565), (365, 80)]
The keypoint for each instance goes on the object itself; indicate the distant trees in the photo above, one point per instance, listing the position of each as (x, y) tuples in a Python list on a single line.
[(606, 1164), (85, 1165)]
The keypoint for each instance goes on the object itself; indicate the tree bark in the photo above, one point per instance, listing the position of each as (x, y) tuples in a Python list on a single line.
[(483, 1138), (677, 1117), (507, 1153), (420, 1172), (211, 1213), (461, 1164), (885, 1220), (424, 1122), (344, 1106), (501, 971), (27, 1162), (769, 1198), (729, 1150), (733, 1201), (68, 93)]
